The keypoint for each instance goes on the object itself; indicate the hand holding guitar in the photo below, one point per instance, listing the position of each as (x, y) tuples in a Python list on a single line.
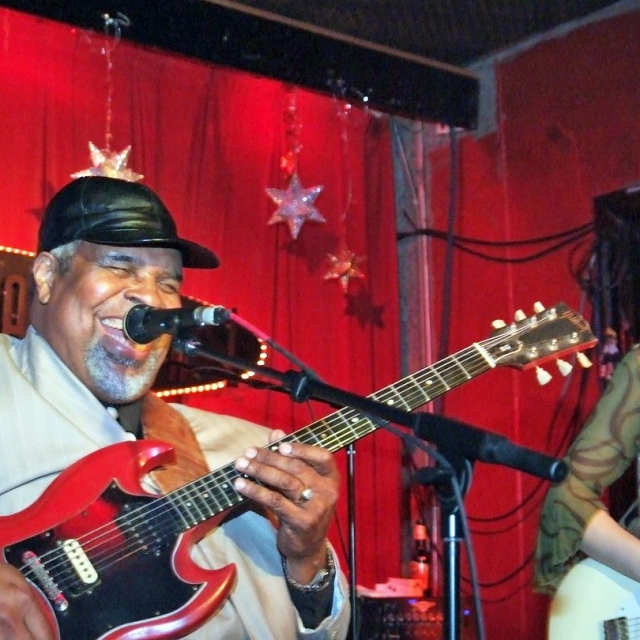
[(299, 483), (21, 617)]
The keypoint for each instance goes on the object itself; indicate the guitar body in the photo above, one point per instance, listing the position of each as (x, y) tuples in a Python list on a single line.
[(593, 600), (102, 571)]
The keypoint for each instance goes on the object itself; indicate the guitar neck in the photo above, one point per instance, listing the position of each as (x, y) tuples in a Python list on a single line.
[(214, 493), (347, 425)]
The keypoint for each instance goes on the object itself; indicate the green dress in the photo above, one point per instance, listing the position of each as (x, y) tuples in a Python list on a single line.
[(602, 452)]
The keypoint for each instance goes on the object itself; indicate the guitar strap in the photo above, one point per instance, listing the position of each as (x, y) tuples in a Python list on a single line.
[(160, 421)]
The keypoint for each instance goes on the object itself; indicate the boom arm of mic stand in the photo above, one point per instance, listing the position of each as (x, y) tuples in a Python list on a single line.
[(450, 436), (453, 436), (191, 347)]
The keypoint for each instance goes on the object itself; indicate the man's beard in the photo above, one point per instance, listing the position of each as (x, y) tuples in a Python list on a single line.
[(113, 385)]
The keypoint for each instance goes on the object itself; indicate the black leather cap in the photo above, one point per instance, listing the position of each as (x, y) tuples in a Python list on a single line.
[(115, 212)]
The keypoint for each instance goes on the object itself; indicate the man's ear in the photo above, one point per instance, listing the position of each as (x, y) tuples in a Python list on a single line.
[(45, 268)]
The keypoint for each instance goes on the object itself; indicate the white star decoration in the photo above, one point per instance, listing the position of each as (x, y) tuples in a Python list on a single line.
[(295, 205), (344, 266), (110, 164)]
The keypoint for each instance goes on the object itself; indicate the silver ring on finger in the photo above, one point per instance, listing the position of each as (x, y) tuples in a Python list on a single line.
[(305, 495)]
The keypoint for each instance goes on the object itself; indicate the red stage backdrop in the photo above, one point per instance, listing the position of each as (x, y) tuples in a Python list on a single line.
[(209, 140)]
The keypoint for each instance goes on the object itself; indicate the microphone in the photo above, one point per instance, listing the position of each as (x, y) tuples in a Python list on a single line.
[(142, 323)]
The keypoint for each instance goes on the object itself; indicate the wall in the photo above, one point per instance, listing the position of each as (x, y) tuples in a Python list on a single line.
[(567, 130)]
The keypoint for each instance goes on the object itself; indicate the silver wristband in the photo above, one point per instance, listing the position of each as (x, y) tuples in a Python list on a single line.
[(320, 581)]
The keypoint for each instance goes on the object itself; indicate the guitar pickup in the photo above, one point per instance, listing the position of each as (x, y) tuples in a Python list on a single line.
[(80, 562)]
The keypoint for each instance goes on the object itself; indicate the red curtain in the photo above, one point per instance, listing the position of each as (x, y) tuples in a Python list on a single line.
[(209, 140), (567, 130)]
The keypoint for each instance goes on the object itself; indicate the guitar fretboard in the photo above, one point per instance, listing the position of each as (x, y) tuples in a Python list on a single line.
[(214, 493)]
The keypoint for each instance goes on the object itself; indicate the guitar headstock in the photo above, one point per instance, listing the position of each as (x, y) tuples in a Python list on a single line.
[(547, 335)]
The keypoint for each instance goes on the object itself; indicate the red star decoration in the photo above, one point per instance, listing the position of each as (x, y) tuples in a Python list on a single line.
[(295, 205), (288, 163), (110, 164), (344, 266)]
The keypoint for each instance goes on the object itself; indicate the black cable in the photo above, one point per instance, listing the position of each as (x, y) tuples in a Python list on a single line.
[(500, 581), (523, 515), (568, 237), (523, 259), (526, 585), (588, 226)]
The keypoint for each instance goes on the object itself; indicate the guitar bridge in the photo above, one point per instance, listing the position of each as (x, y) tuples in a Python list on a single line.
[(45, 581)]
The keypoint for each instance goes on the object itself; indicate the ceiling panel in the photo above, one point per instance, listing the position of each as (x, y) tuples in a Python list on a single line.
[(456, 32)]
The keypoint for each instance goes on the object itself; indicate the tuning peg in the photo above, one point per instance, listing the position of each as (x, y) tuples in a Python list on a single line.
[(498, 324), (538, 307), (564, 366), (520, 315), (543, 376), (585, 363)]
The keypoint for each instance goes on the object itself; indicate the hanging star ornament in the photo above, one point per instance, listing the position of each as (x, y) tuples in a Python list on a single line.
[(110, 164), (345, 266), (295, 205)]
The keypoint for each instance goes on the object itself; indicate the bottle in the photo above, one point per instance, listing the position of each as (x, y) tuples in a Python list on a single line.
[(419, 563)]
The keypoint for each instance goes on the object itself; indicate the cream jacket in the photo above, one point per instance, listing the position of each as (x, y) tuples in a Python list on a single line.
[(49, 420)]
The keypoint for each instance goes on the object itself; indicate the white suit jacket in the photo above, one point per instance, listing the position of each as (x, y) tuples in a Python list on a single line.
[(49, 420)]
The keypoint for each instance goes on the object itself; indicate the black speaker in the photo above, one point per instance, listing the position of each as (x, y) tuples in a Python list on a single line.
[(409, 619), (616, 286)]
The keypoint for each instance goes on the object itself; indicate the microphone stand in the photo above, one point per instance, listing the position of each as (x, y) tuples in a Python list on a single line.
[(452, 535), (455, 440), (353, 583)]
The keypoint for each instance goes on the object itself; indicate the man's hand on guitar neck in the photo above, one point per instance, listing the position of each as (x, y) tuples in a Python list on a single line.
[(300, 484), (21, 617)]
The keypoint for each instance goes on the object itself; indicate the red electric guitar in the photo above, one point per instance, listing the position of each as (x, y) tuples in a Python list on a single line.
[(111, 562)]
